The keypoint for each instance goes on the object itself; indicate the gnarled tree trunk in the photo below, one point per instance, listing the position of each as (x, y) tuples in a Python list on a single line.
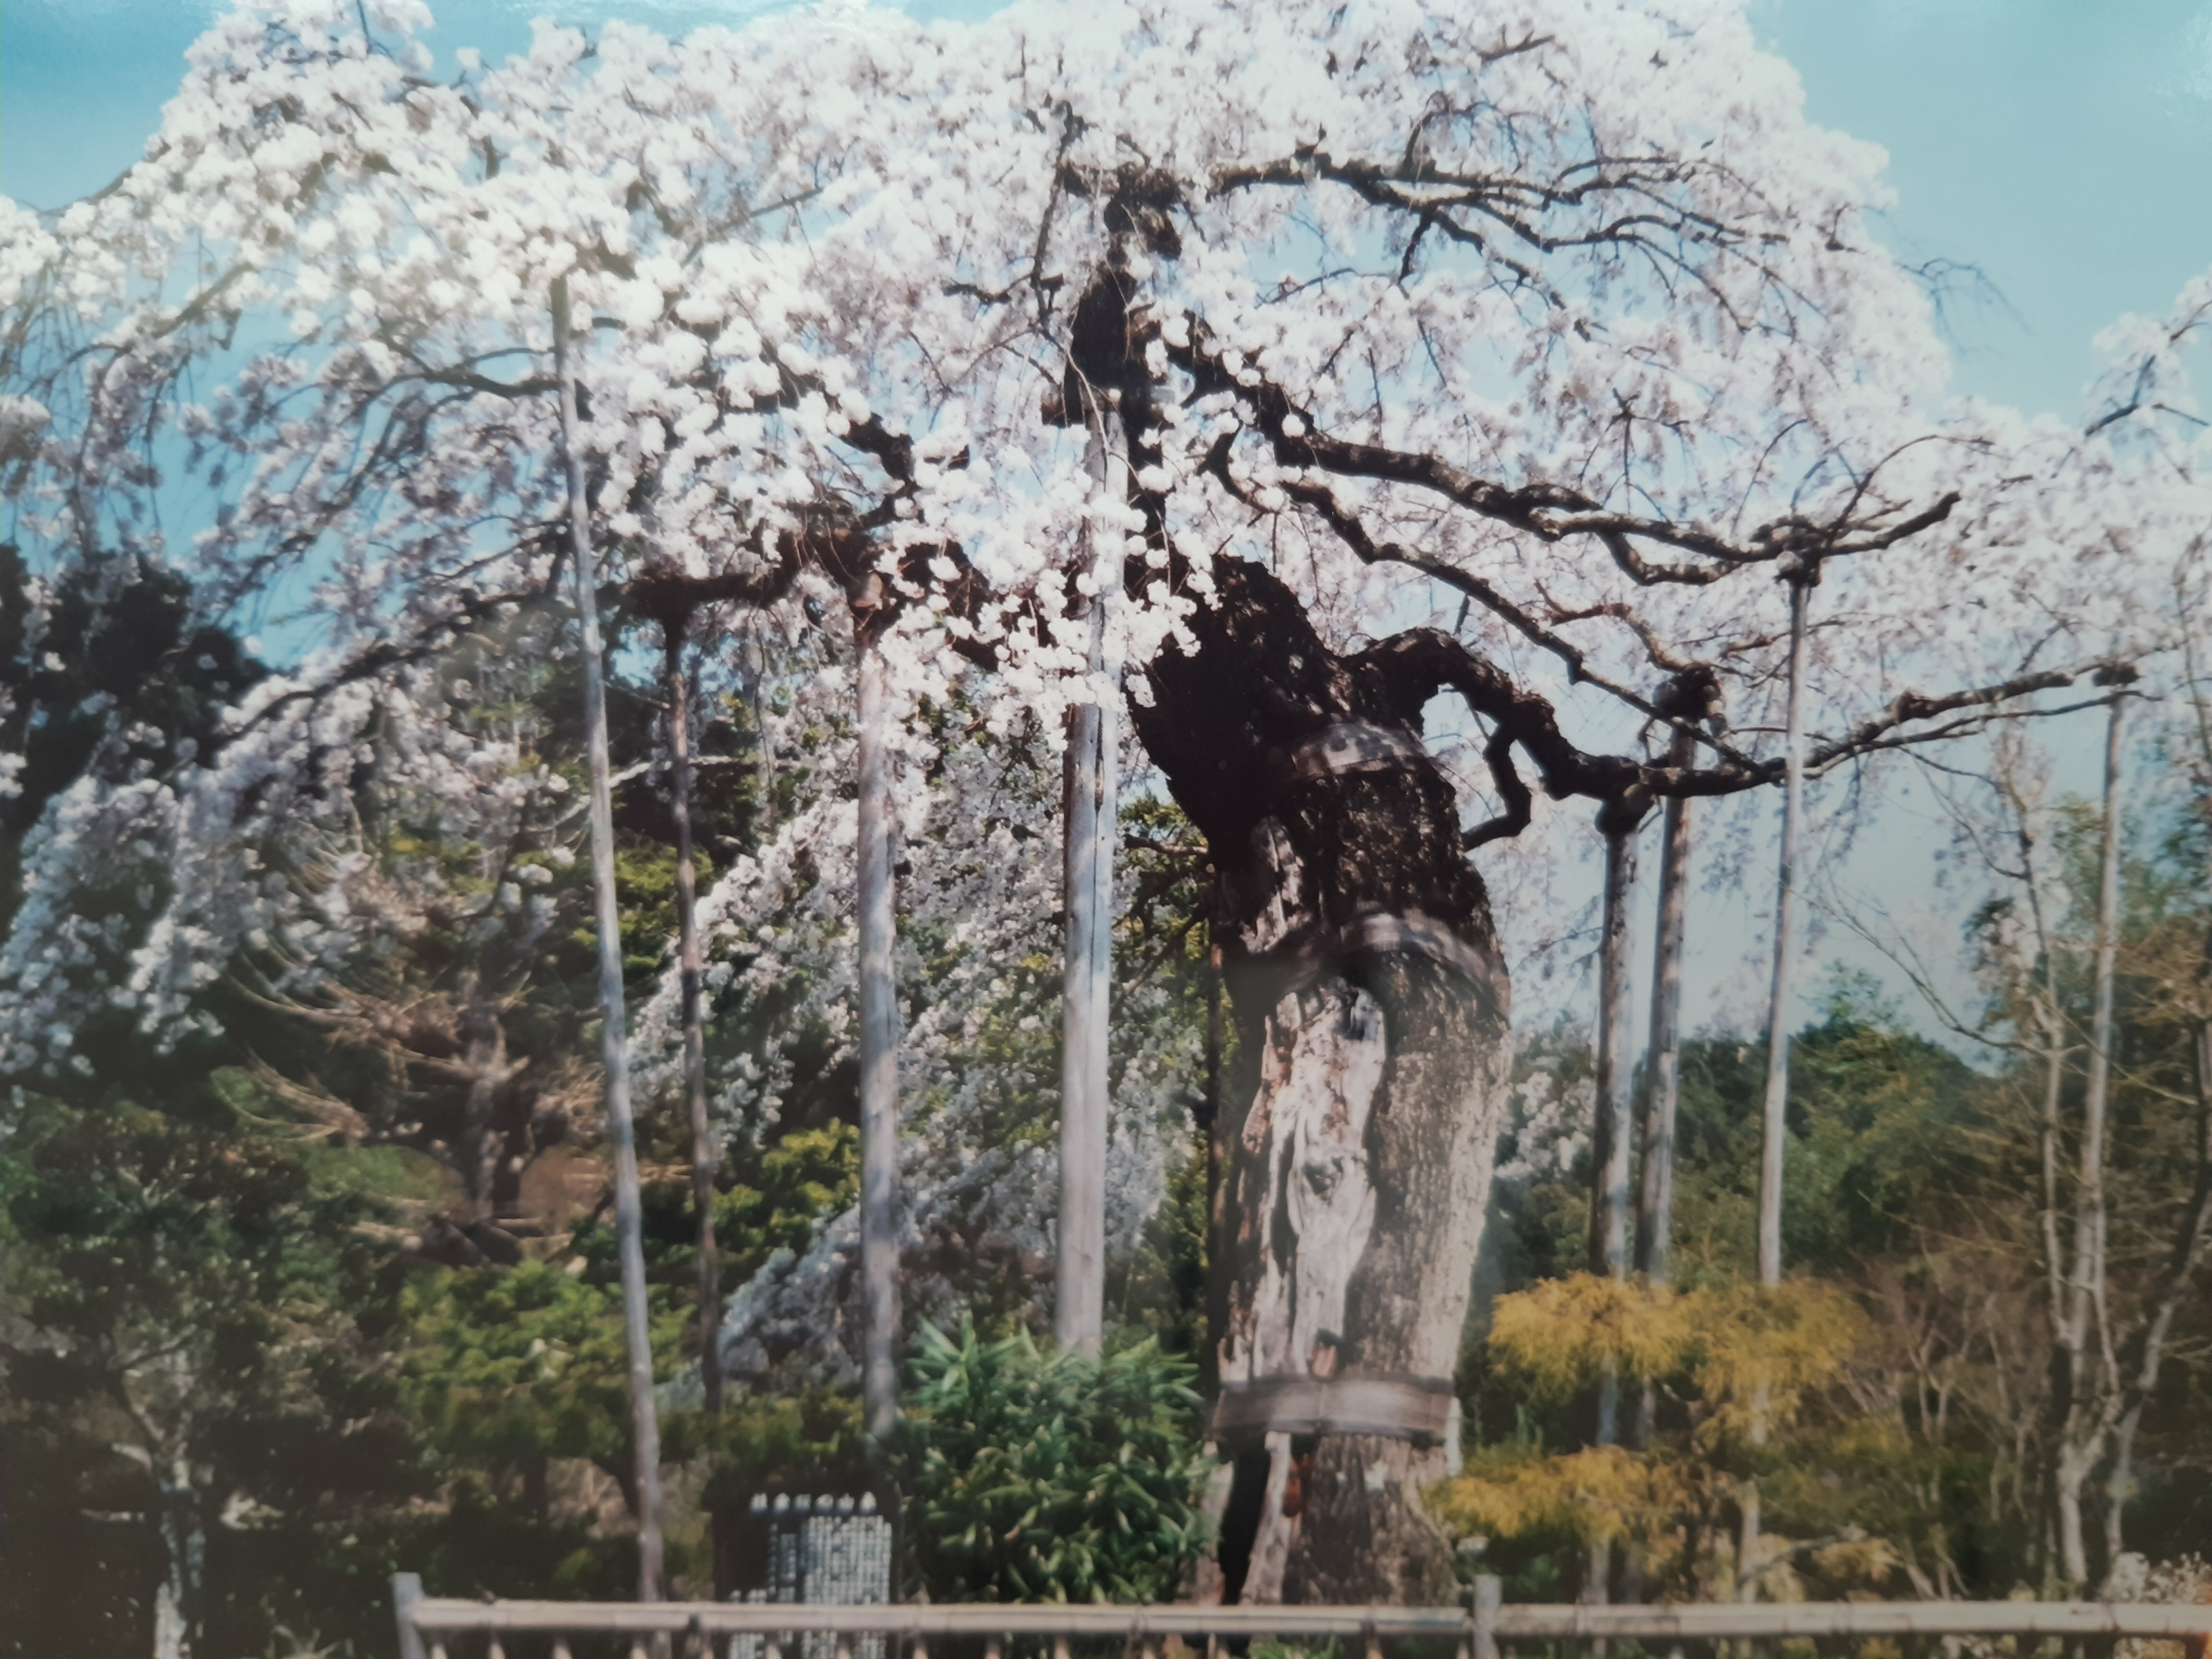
[(1364, 972)]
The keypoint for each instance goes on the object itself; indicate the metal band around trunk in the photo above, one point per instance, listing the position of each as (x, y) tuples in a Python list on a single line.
[(1415, 1409), (1416, 935), (1307, 954), (1352, 746)]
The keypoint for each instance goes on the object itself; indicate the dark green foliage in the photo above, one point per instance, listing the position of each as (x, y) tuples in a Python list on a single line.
[(1911, 1185), (1036, 1475), (1159, 1287), (507, 1377), (180, 1291), (507, 1370), (802, 1441)]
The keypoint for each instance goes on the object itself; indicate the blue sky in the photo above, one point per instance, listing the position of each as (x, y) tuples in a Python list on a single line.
[(2063, 147)]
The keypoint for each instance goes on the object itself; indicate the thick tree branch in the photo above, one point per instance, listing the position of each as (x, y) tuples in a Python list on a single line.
[(1512, 792), (1421, 662), (1552, 513), (669, 595), (1876, 732)]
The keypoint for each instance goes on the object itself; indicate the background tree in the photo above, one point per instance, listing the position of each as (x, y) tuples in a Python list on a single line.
[(189, 1407)]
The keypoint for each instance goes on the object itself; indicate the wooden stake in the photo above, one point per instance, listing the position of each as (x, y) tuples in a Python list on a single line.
[(1654, 1221), (1776, 1122), (879, 1041), (1610, 1144), (1087, 835)]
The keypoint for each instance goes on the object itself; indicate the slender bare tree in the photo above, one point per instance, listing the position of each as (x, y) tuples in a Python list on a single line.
[(2083, 1327), (613, 1016), (1802, 574), (1690, 696), (676, 690)]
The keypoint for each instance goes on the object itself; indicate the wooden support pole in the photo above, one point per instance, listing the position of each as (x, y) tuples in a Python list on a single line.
[(879, 1041), (1088, 828), (1618, 820), (1655, 1221), (1610, 1147), (1775, 1121)]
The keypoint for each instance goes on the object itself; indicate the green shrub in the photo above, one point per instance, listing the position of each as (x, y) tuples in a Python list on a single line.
[(1032, 1475)]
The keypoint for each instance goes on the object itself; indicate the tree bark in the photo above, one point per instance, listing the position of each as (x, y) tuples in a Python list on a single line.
[(1372, 1006), (1088, 835), (879, 1039), (613, 1016)]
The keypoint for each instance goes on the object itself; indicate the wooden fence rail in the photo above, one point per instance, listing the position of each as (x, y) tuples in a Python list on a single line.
[(1481, 1626)]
